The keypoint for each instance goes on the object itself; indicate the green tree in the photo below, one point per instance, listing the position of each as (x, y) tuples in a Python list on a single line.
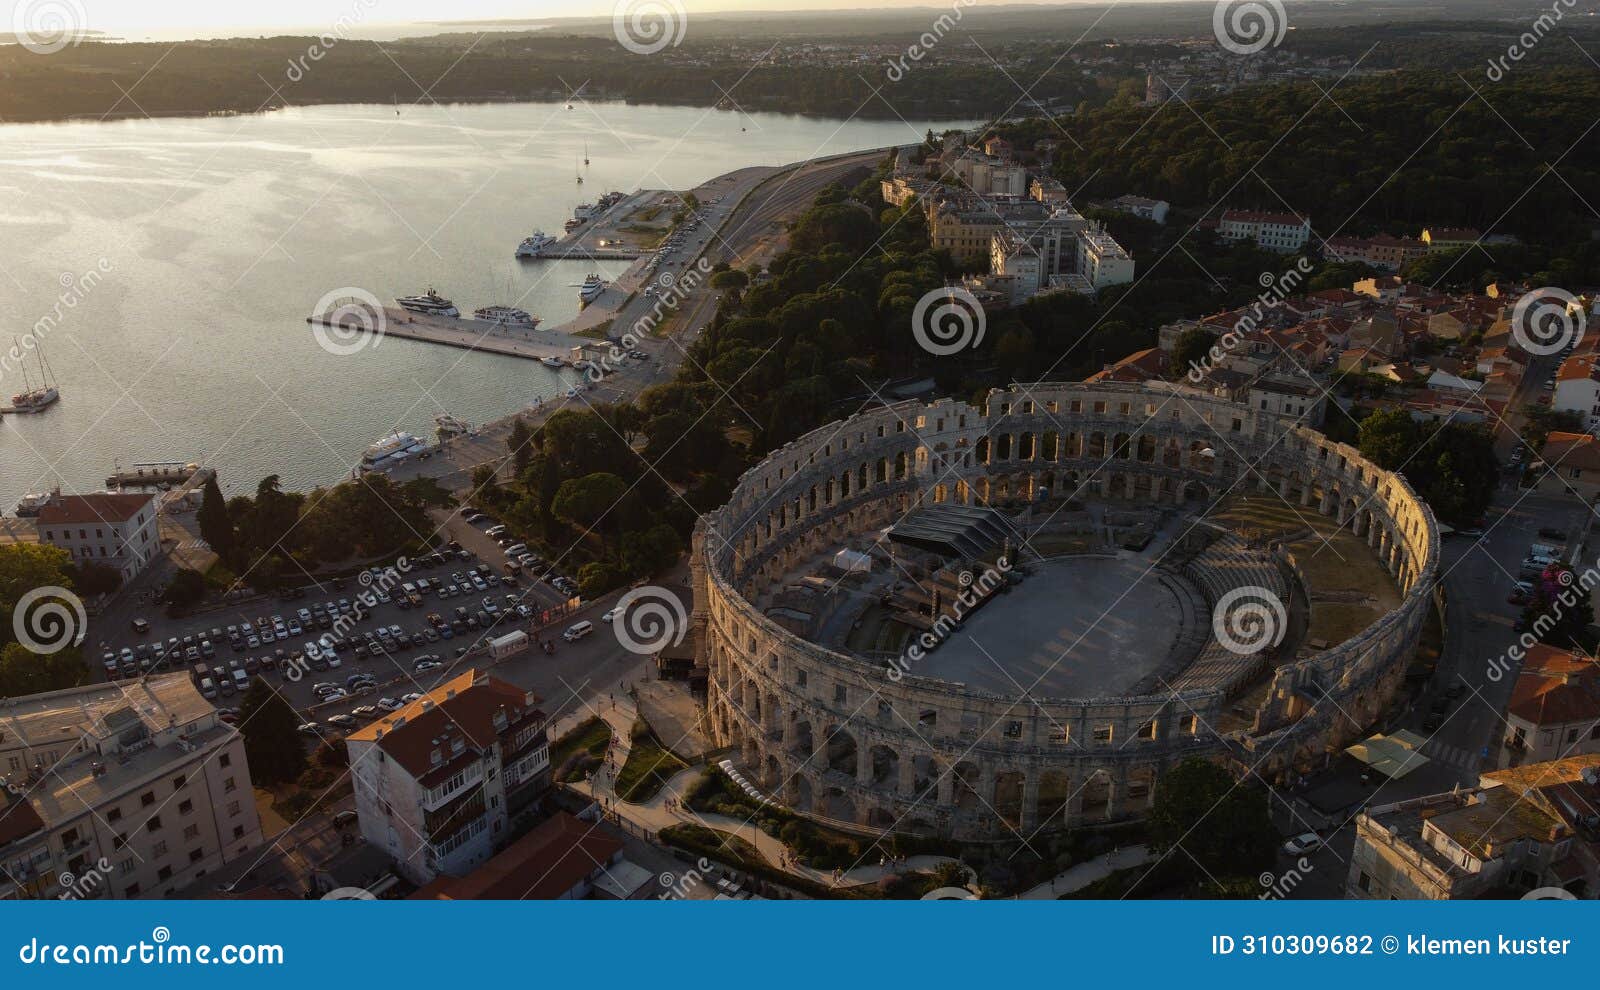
[(271, 737), (216, 525), (1224, 825), (186, 589), (1193, 346), (590, 502), (520, 443)]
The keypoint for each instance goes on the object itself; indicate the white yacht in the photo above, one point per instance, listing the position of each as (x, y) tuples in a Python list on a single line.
[(507, 316), (591, 288), (381, 454), (552, 362), (535, 245), (429, 303)]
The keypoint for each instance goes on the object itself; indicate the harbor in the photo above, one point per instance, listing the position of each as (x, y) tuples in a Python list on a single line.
[(463, 332)]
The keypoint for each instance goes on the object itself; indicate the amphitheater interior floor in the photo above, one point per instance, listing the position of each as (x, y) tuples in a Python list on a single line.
[(1079, 627)]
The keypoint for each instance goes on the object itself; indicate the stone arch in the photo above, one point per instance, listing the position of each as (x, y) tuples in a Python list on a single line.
[(964, 786), (885, 764), (841, 751), (838, 805), (1055, 797), (1007, 802), (801, 742)]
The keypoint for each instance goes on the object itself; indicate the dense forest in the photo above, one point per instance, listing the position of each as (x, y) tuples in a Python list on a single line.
[(1393, 153)]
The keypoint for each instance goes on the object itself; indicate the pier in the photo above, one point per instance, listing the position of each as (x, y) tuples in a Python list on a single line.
[(468, 334), (155, 474)]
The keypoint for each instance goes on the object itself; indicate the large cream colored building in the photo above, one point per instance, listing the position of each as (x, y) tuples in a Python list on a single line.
[(1517, 831), (133, 789)]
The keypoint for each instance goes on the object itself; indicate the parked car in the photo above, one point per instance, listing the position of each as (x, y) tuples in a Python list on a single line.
[(1303, 843)]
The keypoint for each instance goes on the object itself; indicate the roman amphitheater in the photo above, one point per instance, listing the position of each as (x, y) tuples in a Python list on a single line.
[(946, 619)]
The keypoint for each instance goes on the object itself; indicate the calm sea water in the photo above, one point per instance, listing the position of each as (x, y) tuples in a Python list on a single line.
[(210, 240)]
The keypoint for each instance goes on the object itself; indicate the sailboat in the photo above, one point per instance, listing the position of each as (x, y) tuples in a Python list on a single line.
[(580, 177), (31, 399), (586, 152), (397, 105)]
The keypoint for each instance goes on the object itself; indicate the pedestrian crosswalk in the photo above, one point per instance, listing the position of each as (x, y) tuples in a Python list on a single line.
[(1443, 752)]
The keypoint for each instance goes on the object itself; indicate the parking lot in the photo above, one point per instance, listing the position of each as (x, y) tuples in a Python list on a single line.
[(395, 632)]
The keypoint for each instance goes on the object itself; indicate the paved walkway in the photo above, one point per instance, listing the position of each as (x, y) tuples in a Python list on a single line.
[(1083, 874), (654, 814)]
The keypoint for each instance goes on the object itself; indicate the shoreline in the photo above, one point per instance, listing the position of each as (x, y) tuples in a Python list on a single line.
[(119, 116)]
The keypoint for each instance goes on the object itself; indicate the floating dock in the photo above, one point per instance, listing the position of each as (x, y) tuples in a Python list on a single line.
[(153, 475), (468, 334)]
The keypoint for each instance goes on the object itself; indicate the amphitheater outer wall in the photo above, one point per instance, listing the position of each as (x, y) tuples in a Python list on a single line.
[(838, 738)]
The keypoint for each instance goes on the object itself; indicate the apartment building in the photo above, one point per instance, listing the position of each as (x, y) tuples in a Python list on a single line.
[(1281, 232), (1383, 251), (133, 789), (116, 530), (1578, 388), (1450, 238), (1102, 261), (1555, 707), (1518, 830), (439, 782), (1154, 210)]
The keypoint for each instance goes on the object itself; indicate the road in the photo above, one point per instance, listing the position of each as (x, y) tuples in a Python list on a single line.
[(1477, 574)]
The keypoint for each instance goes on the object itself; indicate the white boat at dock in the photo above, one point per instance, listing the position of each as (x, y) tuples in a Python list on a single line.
[(508, 316), (33, 502), (591, 288), (430, 303), (535, 245), (392, 449), (553, 362)]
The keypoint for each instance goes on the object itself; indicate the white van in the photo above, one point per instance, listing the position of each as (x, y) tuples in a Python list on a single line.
[(578, 630), (207, 689)]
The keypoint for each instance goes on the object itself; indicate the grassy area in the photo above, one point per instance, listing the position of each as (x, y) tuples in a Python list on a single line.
[(650, 765), (1335, 562), (579, 752)]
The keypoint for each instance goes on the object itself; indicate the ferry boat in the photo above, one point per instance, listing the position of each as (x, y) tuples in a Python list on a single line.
[(449, 426), (33, 398), (507, 316), (32, 503), (382, 454), (591, 288), (552, 362), (429, 303), (535, 245), (572, 224)]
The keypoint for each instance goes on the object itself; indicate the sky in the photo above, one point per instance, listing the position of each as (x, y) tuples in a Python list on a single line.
[(208, 18)]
